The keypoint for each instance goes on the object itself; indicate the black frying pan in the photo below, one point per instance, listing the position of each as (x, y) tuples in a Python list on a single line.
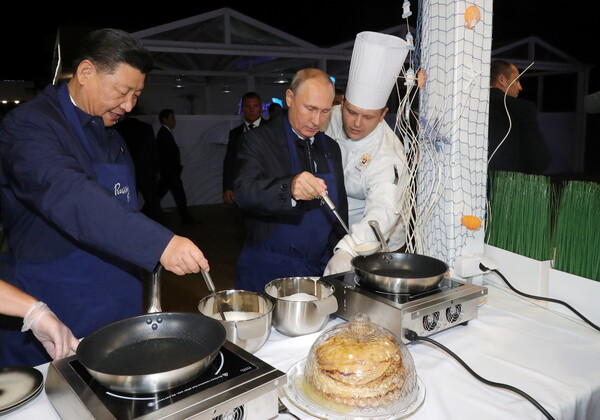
[(152, 352), (397, 272)]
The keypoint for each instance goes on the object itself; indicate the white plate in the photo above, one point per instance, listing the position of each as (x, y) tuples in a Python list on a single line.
[(295, 392), (18, 385)]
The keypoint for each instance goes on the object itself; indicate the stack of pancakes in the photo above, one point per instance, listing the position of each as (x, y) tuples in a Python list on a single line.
[(360, 370)]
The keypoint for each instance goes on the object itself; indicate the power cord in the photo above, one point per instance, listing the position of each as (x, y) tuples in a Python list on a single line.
[(412, 336), (547, 299)]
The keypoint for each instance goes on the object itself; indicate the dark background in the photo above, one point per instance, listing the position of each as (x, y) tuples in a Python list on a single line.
[(28, 34)]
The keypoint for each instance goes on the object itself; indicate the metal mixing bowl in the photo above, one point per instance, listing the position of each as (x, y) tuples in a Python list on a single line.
[(302, 304), (248, 316)]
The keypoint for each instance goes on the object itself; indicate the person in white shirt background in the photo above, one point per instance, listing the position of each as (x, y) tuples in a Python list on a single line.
[(375, 167)]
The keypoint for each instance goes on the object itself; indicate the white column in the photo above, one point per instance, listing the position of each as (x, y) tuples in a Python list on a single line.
[(453, 113)]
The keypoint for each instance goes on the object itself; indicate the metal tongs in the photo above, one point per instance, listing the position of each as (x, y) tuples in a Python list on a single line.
[(330, 204)]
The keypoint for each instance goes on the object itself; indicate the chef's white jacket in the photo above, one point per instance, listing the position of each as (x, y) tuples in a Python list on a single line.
[(376, 178)]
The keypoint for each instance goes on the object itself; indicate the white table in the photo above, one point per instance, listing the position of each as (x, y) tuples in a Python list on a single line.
[(552, 357)]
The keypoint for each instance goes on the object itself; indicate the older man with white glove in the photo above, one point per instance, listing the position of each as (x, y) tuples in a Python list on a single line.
[(375, 167)]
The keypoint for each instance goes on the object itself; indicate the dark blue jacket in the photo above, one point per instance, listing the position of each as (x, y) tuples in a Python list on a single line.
[(263, 181), (51, 203)]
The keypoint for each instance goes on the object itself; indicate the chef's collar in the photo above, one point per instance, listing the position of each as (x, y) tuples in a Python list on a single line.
[(371, 138)]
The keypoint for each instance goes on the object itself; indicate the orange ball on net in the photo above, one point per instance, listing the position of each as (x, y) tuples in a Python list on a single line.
[(472, 16), (471, 222)]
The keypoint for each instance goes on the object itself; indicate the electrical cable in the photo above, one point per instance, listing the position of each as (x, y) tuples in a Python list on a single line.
[(412, 337), (547, 299)]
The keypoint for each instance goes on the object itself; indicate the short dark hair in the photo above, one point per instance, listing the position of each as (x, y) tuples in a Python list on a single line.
[(500, 67), (164, 114), (251, 95), (107, 48)]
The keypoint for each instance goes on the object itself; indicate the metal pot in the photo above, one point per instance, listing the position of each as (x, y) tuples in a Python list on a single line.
[(248, 316), (152, 352), (396, 272), (302, 304)]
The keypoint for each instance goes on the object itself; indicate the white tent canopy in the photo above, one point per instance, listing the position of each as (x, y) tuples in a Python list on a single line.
[(227, 47)]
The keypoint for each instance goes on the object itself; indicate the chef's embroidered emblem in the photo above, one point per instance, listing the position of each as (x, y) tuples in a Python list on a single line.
[(365, 159)]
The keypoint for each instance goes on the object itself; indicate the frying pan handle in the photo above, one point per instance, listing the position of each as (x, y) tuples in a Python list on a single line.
[(375, 226), (155, 291)]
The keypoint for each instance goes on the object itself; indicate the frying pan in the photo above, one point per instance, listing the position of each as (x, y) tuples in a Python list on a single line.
[(151, 352), (397, 272)]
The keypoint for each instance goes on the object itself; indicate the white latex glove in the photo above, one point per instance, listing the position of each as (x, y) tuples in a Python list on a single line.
[(56, 337), (339, 263)]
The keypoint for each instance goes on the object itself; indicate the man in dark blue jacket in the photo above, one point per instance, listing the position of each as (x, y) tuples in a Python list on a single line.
[(77, 239), (282, 171)]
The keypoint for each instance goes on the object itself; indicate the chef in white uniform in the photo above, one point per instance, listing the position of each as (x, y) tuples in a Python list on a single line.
[(375, 168)]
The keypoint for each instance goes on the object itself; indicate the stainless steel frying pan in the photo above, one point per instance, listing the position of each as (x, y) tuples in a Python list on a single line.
[(397, 272), (152, 352)]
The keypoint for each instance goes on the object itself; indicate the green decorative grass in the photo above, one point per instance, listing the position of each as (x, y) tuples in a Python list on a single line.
[(577, 233), (520, 214)]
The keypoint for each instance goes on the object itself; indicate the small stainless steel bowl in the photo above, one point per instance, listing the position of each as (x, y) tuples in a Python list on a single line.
[(302, 304), (248, 316)]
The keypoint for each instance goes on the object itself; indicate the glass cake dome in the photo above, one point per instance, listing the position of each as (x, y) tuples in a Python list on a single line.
[(356, 369)]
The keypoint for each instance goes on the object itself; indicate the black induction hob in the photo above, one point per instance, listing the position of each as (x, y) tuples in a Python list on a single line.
[(231, 383)]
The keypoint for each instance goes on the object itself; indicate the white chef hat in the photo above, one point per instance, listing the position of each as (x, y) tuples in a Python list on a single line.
[(376, 62)]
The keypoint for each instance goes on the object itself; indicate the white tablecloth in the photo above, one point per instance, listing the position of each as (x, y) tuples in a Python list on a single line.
[(552, 357)]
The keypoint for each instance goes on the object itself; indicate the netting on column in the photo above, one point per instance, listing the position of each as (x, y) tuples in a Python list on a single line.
[(445, 134)]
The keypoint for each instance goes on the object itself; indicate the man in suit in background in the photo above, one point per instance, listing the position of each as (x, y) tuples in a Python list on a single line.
[(251, 110), (170, 165), (524, 149)]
